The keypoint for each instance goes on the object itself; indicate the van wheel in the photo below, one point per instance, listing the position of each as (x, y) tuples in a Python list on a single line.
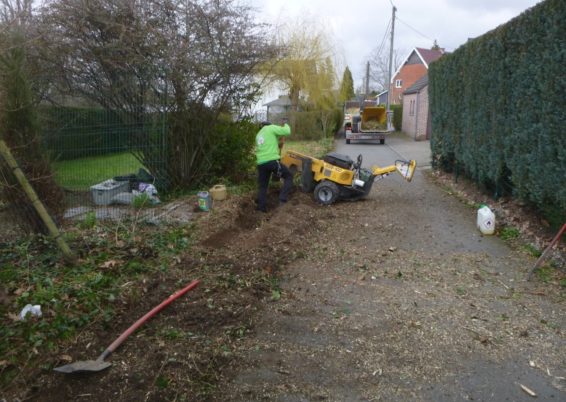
[(347, 141), (382, 141), (326, 192)]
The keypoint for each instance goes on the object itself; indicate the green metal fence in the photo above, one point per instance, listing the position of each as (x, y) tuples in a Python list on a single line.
[(90, 146)]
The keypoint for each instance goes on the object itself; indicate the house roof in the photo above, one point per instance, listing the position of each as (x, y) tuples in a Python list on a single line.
[(417, 86), (283, 100), (427, 56)]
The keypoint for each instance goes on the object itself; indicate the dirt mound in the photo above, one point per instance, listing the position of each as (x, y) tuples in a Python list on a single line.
[(186, 345), (246, 229)]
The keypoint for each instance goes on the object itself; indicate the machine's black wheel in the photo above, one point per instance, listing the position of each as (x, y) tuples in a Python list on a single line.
[(326, 192), (347, 141), (382, 141)]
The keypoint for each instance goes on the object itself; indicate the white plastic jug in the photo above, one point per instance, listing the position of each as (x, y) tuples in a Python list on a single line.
[(486, 220)]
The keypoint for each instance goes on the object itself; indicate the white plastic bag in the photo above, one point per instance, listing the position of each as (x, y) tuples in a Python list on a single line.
[(35, 311)]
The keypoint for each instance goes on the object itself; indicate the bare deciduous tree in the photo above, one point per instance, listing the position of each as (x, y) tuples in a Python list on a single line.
[(379, 68), (194, 59)]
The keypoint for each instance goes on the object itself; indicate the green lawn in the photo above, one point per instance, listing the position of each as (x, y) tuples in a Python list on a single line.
[(80, 174)]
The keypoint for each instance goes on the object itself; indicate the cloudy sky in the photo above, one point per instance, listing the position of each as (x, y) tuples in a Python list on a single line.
[(358, 26)]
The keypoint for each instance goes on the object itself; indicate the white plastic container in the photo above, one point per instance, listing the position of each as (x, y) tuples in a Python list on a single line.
[(102, 193), (486, 220)]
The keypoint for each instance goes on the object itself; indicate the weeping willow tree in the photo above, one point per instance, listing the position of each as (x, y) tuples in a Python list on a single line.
[(306, 50), (305, 69), (324, 96), (19, 126)]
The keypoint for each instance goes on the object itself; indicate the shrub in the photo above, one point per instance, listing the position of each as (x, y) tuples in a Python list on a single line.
[(230, 150), (397, 116), (309, 125)]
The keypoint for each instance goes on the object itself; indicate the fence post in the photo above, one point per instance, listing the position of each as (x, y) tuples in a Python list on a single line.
[(37, 204)]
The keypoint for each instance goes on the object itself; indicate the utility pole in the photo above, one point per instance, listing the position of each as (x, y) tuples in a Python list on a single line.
[(367, 79), (389, 94)]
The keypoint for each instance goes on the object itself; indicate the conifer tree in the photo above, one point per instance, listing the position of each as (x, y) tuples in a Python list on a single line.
[(347, 86)]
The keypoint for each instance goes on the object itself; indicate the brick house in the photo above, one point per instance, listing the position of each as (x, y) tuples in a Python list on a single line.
[(416, 113), (412, 69)]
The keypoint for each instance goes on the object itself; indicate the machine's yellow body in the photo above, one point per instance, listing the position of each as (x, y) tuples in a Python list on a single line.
[(321, 170), (339, 175)]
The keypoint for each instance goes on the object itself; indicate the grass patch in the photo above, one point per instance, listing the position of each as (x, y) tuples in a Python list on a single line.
[(509, 233), (532, 250), (72, 296), (80, 174)]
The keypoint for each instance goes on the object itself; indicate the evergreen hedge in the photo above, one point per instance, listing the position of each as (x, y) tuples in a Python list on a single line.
[(397, 116), (498, 104)]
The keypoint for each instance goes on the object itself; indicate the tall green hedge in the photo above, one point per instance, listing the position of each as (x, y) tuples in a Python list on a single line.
[(498, 108)]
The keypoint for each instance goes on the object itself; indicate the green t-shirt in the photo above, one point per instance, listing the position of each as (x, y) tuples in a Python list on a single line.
[(267, 142)]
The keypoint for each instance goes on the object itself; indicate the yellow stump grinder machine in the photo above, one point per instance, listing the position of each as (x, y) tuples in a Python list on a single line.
[(338, 177)]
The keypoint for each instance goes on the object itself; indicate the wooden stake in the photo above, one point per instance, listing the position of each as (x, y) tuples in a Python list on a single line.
[(37, 204)]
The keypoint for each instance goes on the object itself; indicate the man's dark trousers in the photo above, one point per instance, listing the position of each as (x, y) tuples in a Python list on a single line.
[(265, 170)]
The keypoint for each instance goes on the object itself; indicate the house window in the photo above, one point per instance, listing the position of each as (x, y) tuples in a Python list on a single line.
[(398, 83), (411, 108)]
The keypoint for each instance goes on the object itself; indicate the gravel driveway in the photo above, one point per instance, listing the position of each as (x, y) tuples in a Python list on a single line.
[(400, 298)]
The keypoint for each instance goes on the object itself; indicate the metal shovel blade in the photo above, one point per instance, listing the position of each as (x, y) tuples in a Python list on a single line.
[(94, 366), (86, 366)]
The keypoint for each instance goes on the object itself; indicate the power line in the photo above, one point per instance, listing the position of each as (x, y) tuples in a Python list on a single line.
[(380, 47), (410, 27)]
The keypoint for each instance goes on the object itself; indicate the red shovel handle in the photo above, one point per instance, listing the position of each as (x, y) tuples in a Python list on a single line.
[(546, 250), (146, 317)]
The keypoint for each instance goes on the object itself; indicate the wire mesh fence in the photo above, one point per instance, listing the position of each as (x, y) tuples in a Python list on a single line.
[(102, 151), (97, 156), (91, 146)]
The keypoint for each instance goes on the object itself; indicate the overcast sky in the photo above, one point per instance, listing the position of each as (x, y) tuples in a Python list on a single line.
[(358, 26)]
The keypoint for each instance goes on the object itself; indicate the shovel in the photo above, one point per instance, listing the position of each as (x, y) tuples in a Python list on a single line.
[(93, 366)]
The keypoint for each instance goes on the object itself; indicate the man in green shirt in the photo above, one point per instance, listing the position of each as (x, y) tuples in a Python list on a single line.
[(268, 155)]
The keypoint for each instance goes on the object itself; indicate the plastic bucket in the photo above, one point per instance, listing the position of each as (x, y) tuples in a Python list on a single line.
[(218, 192), (204, 201), (486, 220)]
